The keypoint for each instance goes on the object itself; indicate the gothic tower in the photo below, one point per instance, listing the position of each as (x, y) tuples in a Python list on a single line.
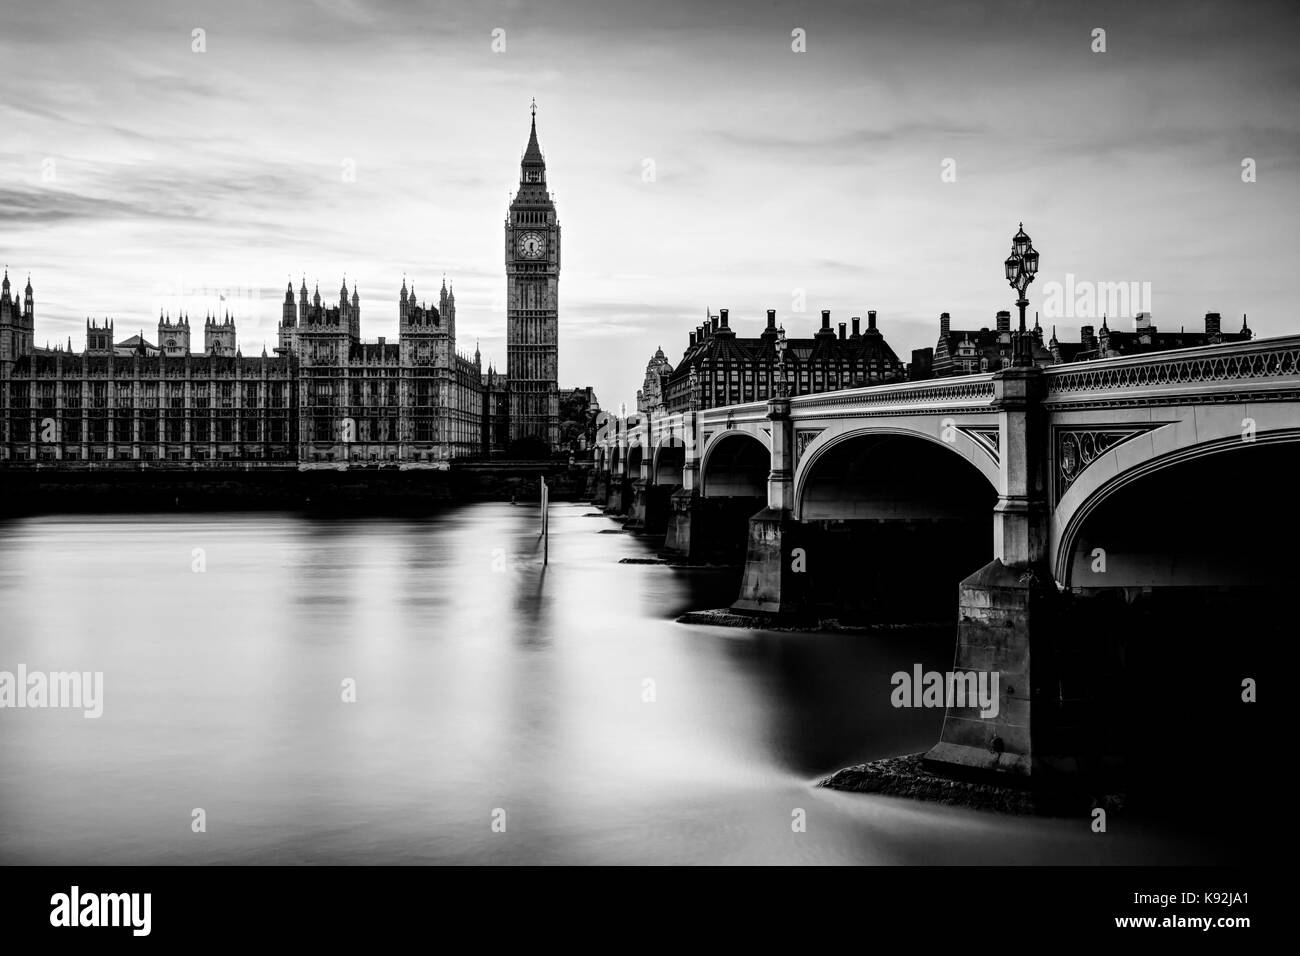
[(532, 303), (173, 337)]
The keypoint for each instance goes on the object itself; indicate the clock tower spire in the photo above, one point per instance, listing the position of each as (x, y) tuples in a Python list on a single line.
[(532, 303)]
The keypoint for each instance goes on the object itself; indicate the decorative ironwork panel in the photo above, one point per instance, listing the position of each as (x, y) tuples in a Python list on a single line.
[(1077, 448), (801, 439), (987, 437)]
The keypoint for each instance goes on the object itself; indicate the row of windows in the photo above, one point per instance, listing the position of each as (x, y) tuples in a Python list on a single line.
[(151, 430), (152, 371), (128, 453), (127, 391)]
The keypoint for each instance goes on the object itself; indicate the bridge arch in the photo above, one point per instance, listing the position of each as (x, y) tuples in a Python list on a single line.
[(962, 448), (892, 521), (736, 464), (1181, 517), (669, 462), (1177, 574), (635, 455)]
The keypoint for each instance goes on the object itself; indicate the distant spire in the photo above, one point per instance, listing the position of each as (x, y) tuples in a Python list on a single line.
[(533, 154)]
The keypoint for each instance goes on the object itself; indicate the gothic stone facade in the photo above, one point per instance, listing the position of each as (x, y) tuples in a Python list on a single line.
[(532, 303), (324, 397)]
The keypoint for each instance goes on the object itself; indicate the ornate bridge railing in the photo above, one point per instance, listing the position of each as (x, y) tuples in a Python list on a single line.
[(1261, 363)]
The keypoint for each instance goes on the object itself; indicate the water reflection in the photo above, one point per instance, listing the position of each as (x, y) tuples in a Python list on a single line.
[(483, 682)]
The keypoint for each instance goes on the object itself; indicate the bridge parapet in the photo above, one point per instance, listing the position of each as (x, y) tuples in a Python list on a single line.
[(968, 391), (1201, 374)]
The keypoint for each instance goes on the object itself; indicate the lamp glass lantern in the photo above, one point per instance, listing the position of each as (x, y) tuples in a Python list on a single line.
[(1020, 243)]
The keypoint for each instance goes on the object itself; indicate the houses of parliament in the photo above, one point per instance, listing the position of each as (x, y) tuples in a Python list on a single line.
[(324, 396)]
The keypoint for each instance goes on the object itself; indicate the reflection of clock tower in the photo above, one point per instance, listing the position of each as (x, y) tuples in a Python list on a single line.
[(532, 303)]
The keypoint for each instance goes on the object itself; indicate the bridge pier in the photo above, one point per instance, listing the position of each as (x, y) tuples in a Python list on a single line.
[(636, 505), (774, 580), (651, 508), (614, 492), (685, 523), (1008, 609), (1008, 622), (614, 496), (600, 488), (775, 571)]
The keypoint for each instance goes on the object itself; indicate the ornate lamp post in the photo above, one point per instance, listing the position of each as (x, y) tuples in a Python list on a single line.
[(1021, 267), (782, 387)]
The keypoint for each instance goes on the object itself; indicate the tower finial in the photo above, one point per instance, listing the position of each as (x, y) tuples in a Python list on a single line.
[(534, 109)]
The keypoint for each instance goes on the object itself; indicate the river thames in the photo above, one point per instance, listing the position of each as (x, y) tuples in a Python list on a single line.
[(564, 702)]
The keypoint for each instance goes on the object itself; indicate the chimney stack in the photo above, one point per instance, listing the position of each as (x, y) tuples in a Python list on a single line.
[(692, 340), (945, 323), (1004, 321), (826, 319), (871, 320), (1212, 324), (713, 323), (841, 331), (723, 314), (1086, 338), (857, 331)]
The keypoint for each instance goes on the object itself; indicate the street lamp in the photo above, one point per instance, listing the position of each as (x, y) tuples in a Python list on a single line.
[(1021, 267)]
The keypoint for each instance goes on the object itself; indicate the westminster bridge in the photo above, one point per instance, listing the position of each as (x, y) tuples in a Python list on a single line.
[(1013, 492)]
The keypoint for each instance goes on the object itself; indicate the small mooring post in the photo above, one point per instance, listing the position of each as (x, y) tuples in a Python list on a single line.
[(546, 534)]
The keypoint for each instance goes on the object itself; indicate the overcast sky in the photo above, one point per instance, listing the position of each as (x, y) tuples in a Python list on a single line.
[(136, 173)]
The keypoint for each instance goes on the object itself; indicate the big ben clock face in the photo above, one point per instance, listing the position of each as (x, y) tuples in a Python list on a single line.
[(531, 245)]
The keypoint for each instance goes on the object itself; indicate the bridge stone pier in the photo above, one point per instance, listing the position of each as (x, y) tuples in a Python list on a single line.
[(998, 501)]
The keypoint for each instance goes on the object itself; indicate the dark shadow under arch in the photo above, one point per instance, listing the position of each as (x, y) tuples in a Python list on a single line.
[(894, 523)]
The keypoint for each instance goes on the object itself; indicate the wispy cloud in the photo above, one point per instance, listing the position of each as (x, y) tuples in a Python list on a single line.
[(772, 170)]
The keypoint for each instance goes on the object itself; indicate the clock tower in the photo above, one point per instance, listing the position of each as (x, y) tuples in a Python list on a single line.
[(532, 303)]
